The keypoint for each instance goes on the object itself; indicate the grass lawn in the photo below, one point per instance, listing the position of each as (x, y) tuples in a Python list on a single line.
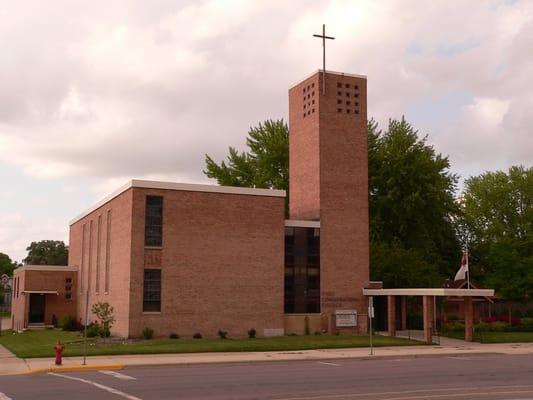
[(39, 344), (496, 337)]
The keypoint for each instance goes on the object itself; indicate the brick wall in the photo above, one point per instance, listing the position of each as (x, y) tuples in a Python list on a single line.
[(39, 280), (221, 262), (112, 254), (19, 311)]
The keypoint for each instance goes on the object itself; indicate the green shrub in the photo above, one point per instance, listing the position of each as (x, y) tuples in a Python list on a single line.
[(93, 330), (55, 322), (292, 334), (529, 313), (482, 327), (318, 333), (69, 324), (148, 333), (453, 318), (104, 313), (453, 327), (306, 326), (498, 326), (252, 333), (526, 325), (173, 336), (197, 335), (222, 334)]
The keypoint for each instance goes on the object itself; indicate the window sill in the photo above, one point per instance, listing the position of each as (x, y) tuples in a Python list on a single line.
[(151, 312), (154, 247)]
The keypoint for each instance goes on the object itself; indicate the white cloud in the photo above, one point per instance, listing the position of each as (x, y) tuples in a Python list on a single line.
[(145, 89)]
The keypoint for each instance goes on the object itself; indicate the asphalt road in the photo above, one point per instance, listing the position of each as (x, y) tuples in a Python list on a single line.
[(448, 378)]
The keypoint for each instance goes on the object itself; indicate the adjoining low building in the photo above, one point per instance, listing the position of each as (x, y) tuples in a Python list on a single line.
[(42, 295)]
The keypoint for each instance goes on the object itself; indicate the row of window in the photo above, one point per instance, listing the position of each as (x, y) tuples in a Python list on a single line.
[(16, 284), (87, 254)]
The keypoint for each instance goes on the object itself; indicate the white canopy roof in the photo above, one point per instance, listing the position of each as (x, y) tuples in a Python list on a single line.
[(430, 292)]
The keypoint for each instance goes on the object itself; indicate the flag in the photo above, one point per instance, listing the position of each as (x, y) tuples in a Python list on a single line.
[(461, 274)]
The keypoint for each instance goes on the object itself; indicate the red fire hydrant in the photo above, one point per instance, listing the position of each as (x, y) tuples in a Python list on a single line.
[(58, 348)]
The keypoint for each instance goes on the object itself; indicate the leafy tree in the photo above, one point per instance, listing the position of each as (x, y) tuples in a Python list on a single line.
[(265, 165), (496, 222), (47, 252), (7, 265), (104, 313), (412, 207)]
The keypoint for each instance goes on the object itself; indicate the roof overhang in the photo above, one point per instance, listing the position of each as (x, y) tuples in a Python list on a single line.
[(191, 187), (430, 292), (40, 292), (54, 268)]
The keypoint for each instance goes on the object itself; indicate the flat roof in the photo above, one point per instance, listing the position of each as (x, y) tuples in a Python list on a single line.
[(302, 223), (45, 268), (327, 72), (430, 292), (191, 187)]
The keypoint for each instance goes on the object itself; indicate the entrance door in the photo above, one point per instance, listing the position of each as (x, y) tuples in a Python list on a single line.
[(36, 308)]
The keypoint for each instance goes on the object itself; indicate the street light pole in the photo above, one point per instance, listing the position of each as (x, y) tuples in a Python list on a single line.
[(85, 328)]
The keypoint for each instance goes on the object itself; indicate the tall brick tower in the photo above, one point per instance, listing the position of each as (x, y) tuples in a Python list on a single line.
[(329, 183)]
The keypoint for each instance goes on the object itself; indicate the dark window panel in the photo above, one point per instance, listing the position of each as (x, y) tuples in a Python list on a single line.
[(153, 228), (302, 270), (152, 290)]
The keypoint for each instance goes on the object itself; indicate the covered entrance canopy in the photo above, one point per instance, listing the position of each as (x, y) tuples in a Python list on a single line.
[(428, 296)]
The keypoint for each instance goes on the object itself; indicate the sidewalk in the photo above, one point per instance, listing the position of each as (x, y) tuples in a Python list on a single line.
[(15, 365), (9, 364)]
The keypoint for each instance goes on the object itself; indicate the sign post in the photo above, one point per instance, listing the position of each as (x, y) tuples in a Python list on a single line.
[(370, 317), (85, 328)]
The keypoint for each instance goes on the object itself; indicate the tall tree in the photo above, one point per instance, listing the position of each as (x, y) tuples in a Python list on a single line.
[(7, 265), (412, 205), (497, 223), (47, 252), (265, 165)]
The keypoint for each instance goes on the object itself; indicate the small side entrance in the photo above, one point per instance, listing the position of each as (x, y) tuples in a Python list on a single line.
[(37, 303)]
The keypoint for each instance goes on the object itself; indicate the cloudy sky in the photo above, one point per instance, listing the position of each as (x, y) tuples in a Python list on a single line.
[(93, 93)]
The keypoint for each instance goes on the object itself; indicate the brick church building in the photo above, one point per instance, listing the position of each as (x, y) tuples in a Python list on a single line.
[(186, 258)]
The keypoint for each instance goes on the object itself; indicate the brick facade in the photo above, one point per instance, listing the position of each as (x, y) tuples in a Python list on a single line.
[(329, 181), (41, 281), (221, 262)]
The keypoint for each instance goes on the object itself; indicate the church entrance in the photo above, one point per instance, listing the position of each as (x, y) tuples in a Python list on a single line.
[(37, 303)]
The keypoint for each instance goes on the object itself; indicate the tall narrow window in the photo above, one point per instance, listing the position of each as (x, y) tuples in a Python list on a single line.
[(153, 228), (302, 270), (89, 264), (82, 263), (98, 248), (152, 290), (107, 251)]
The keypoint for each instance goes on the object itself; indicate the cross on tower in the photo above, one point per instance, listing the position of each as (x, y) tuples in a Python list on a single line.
[(324, 37)]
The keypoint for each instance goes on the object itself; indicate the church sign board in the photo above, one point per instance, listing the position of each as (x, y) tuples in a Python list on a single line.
[(346, 318)]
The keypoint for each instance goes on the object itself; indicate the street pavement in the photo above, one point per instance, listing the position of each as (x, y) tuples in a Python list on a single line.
[(475, 376)]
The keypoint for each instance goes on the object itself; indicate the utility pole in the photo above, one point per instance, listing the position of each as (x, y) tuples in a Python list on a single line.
[(370, 317), (85, 328)]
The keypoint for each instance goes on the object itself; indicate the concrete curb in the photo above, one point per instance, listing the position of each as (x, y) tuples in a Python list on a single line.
[(75, 368), (338, 359)]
